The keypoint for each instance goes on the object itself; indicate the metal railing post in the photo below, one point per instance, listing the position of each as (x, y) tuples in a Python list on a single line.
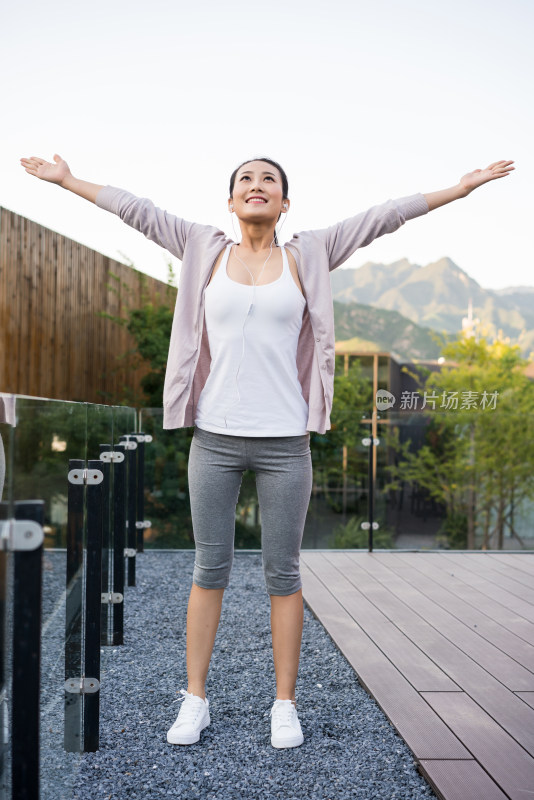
[(370, 525), (82, 681), (93, 606), (142, 524), (119, 536), (105, 612), (371, 494), (72, 737), (140, 493), (27, 543), (130, 442)]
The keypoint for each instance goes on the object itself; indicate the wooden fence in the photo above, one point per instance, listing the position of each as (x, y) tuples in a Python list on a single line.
[(53, 343)]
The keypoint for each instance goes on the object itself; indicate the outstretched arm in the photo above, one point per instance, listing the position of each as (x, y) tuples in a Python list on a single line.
[(499, 169), (166, 230), (60, 173), (343, 239)]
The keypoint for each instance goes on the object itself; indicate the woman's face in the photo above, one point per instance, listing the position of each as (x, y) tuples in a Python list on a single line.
[(258, 193)]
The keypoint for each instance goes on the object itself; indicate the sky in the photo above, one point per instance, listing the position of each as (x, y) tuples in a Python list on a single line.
[(359, 101)]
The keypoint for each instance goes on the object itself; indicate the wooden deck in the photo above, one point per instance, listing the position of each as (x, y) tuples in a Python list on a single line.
[(444, 642)]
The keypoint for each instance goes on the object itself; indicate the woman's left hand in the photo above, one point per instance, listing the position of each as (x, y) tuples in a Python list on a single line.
[(499, 169)]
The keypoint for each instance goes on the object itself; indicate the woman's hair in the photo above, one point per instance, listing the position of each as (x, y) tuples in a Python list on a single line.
[(285, 184)]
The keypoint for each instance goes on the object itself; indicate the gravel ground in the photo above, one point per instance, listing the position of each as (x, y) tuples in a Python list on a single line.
[(350, 749)]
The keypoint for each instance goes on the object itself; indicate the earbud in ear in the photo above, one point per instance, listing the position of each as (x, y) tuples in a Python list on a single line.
[(285, 205)]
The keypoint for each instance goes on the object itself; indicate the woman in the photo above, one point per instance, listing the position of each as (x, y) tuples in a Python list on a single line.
[(251, 366)]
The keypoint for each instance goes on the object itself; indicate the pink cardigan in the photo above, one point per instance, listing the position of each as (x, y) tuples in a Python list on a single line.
[(197, 246)]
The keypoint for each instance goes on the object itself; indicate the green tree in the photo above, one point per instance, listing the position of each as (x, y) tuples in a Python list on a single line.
[(339, 459), (478, 457), (150, 326)]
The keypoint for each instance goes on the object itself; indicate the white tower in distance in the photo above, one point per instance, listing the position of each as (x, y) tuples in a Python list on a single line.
[(468, 323)]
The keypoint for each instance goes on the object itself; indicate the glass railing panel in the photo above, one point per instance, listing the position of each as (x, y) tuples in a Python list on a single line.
[(48, 435), (518, 507), (124, 421), (166, 486), (412, 509), (100, 424), (339, 504), (412, 515), (459, 478), (100, 421)]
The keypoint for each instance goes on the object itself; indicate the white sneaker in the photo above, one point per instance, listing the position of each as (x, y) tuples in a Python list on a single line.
[(194, 716), (285, 725)]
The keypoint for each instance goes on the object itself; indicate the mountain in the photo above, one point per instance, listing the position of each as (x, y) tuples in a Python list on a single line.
[(364, 328), (437, 296), (519, 296)]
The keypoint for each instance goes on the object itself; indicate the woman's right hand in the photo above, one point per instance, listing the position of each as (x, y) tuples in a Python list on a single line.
[(60, 173), (54, 173)]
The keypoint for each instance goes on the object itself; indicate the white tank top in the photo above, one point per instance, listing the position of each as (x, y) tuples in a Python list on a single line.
[(253, 387)]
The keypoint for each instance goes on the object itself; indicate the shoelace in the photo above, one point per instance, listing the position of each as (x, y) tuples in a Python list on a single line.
[(283, 712), (190, 711)]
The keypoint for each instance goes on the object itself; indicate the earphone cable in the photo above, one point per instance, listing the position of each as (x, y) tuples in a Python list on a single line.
[(250, 307)]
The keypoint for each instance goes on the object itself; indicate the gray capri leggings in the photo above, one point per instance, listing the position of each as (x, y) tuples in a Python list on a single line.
[(283, 479)]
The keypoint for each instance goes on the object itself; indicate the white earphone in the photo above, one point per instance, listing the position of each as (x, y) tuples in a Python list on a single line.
[(249, 310)]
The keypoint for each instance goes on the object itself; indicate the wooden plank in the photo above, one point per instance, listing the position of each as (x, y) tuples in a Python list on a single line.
[(521, 562), (522, 629), (83, 308), (64, 269), (481, 565), (485, 587), (527, 697), (16, 259), (504, 574), (422, 730), (488, 644), (503, 758), (416, 667), (501, 562), (96, 269), (47, 316), (404, 607), (3, 297), (460, 780), (15, 285), (88, 300), (30, 323), (15, 271), (20, 306)]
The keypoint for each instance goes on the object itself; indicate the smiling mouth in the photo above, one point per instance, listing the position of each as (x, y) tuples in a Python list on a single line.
[(256, 200)]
